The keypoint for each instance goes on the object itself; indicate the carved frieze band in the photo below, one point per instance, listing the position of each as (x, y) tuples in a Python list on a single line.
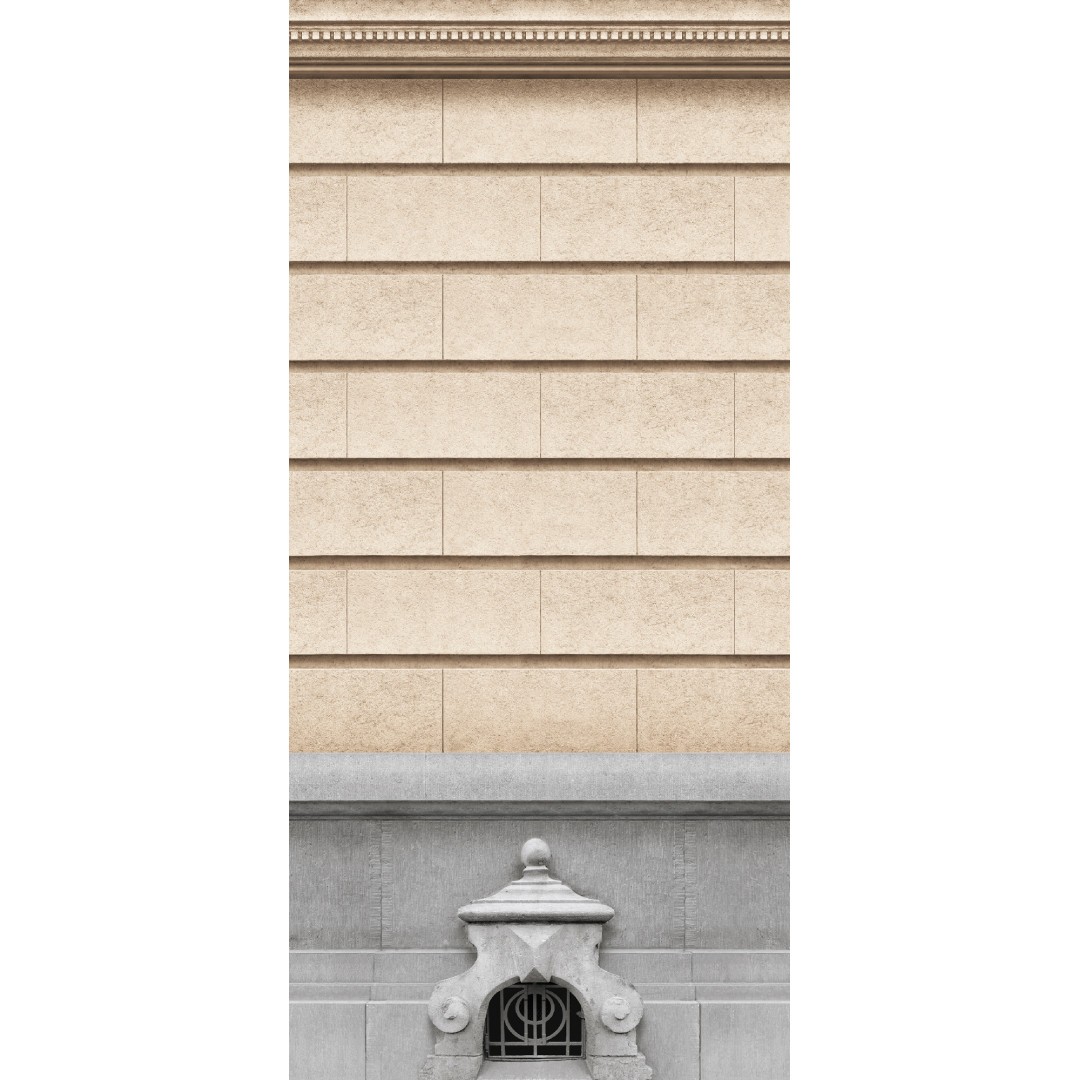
[(414, 34)]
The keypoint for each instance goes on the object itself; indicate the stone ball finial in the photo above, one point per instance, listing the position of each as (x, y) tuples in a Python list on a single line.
[(535, 853)]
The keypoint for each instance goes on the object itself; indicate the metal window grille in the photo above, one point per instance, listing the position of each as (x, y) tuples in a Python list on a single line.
[(534, 1020)]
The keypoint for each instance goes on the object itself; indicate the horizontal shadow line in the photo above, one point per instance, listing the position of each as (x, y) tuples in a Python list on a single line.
[(541, 562), (365, 464), (463, 367), (533, 660)]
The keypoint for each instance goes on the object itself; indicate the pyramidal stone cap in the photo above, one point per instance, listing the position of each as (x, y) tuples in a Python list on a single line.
[(536, 896)]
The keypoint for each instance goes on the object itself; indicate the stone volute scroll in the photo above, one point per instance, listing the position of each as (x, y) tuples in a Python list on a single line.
[(537, 945)]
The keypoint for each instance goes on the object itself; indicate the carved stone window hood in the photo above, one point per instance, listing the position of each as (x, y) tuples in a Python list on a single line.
[(536, 930)]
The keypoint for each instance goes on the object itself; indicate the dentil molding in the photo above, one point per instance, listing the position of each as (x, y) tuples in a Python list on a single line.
[(612, 49)]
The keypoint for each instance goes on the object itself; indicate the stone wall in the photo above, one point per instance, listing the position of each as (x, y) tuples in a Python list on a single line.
[(690, 850), (539, 414), (539, 506)]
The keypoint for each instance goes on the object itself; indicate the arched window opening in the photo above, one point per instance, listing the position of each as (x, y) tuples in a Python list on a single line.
[(534, 1020)]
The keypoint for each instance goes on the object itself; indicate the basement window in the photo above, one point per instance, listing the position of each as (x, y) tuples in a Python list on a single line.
[(534, 1020)]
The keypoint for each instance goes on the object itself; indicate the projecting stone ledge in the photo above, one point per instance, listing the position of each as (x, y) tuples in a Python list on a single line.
[(364, 785)]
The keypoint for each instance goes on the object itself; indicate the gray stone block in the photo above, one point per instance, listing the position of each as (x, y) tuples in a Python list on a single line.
[(399, 1038), (402, 991), (429, 966), (566, 778), (744, 1042), (743, 991), (669, 1037), (640, 965), (738, 898), (344, 966), (333, 884), (713, 966), (666, 991), (330, 991), (326, 1042)]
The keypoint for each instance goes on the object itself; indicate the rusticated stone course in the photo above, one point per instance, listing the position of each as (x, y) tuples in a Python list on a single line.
[(539, 385)]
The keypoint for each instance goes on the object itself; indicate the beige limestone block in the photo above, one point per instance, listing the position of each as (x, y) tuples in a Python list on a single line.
[(713, 120), (434, 414), (540, 711), (347, 121), (648, 415), (713, 513), (539, 316), (463, 218), (316, 611), (693, 711), (637, 611), (761, 611), (539, 120), (365, 316), (638, 217), (317, 414), (365, 711), (316, 217), (761, 414), (365, 513), (444, 611), (713, 316), (539, 513), (761, 217)]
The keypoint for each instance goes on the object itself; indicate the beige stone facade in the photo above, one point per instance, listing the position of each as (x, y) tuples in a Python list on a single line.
[(539, 382)]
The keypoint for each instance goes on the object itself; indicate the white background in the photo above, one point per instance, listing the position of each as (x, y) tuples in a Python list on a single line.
[(144, 432)]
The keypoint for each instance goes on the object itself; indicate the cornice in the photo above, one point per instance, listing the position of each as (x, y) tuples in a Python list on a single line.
[(468, 49), (467, 784)]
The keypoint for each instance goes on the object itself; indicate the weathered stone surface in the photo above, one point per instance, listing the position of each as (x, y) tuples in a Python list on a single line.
[(380, 709), (433, 218), (736, 316), (316, 611), (327, 1041), (399, 1038), (761, 414), (475, 414), (718, 709), (741, 512), (396, 512), (761, 611), (719, 120), (541, 120), (639, 217), (334, 890), (444, 611), (539, 317), (539, 710), (645, 414), (637, 611), (317, 217), (745, 1041), (338, 316), (528, 512), (342, 121), (582, 778), (317, 424), (740, 882), (670, 1038)]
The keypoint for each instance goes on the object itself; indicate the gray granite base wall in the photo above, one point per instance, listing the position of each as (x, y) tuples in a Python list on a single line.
[(674, 882), (698, 880), (682, 1040)]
